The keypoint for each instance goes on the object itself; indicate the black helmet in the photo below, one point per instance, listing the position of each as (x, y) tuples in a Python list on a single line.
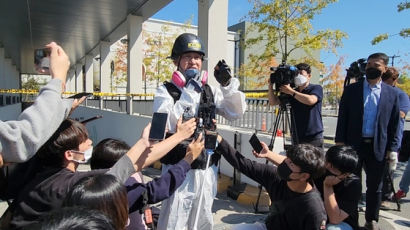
[(187, 43)]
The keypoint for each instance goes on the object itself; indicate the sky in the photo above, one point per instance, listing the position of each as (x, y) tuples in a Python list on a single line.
[(362, 20)]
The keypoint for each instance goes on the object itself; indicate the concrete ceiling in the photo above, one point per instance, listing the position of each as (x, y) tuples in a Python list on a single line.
[(77, 25)]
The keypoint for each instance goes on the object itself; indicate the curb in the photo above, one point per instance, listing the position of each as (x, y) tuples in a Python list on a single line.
[(248, 196)]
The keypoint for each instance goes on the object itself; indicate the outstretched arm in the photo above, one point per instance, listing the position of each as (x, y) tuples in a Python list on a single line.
[(20, 139), (163, 187)]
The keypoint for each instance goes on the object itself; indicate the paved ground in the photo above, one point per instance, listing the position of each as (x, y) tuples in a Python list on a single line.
[(228, 212)]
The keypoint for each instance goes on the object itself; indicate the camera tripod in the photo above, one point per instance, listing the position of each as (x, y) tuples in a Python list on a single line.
[(285, 118)]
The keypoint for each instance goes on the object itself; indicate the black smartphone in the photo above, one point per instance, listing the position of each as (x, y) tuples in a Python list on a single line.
[(80, 95), (158, 124), (256, 144), (210, 139)]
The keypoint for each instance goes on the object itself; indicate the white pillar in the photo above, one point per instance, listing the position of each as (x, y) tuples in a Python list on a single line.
[(212, 29), (2, 78), (70, 85), (7, 73), (89, 73), (79, 78), (105, 67), (134, 57), (16, 77)]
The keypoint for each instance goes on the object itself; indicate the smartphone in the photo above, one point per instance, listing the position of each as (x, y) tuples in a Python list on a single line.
[(256, 144), (42, 59), (210, 139), (158, 124), (80, 95)]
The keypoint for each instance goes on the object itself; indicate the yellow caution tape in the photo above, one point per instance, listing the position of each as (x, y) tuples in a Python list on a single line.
[(102, 94)]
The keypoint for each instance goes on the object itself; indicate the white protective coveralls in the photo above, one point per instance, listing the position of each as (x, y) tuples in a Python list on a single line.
[(178, 211)]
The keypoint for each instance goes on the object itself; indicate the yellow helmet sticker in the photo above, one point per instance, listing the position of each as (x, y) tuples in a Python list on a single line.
[(196, 45)]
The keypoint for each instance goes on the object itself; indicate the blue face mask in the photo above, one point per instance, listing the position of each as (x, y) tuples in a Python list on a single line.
[(191, 74)]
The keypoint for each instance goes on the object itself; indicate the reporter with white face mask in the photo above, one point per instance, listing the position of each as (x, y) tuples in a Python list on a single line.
[(306, 106)]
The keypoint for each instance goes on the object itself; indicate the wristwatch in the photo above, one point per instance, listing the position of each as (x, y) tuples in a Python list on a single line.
[(294, 94)]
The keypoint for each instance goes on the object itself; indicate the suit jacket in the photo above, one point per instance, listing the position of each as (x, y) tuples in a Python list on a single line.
[(350, 120)]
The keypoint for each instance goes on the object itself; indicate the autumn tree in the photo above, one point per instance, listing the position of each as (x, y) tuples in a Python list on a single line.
[(279, 28), (405, 33), (158, 46), (333, 83), (119, 65)]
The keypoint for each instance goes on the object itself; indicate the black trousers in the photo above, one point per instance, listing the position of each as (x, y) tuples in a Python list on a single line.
[(375, 172)]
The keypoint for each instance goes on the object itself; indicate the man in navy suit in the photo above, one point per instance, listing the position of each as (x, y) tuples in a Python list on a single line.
[(368, 120)]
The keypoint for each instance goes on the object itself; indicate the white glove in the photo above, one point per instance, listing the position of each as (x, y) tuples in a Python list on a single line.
[(392, 160)]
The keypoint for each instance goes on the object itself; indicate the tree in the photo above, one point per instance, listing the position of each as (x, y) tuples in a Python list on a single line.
[(333, 83), (157, 50), (158, 45), (119, 71), (405, 33), (281, 27)]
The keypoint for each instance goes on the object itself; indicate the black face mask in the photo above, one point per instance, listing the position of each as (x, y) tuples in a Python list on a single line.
[(373, 73), (284, 171)]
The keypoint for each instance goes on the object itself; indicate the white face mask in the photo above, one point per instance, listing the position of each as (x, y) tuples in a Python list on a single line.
[(300, 80), (87, 155)]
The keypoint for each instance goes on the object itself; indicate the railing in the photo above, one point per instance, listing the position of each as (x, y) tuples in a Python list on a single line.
[(259, 115)]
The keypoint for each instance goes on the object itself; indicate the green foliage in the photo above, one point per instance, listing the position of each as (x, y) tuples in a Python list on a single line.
[(157, 50), (31, 84), (379, 38), (403, 6), (405, 33), (282, 27), (404, 83)]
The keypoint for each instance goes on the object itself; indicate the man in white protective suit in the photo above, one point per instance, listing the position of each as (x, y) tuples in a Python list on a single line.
[(188, 93)]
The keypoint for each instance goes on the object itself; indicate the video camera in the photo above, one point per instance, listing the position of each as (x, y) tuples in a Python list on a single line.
[(205, 125), (283, 75), (356, 71)]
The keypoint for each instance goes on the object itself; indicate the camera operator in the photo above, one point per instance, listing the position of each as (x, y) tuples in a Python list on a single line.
[(306, 105), (296, 203), (188, 89)]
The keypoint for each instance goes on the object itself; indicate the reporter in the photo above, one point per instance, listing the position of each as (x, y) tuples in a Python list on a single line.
[(341, 188), (61, 155), (20, 139), (296, 204)]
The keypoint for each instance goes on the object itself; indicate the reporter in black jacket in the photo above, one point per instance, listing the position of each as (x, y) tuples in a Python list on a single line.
[(296, 203)]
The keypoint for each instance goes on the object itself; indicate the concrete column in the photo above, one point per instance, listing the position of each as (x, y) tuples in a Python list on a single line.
[(134, 57), (16, 78), (70, 82), (212, 29), (105, 67), (7, 73), (79, 86), (89, 73), (2, 78)]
